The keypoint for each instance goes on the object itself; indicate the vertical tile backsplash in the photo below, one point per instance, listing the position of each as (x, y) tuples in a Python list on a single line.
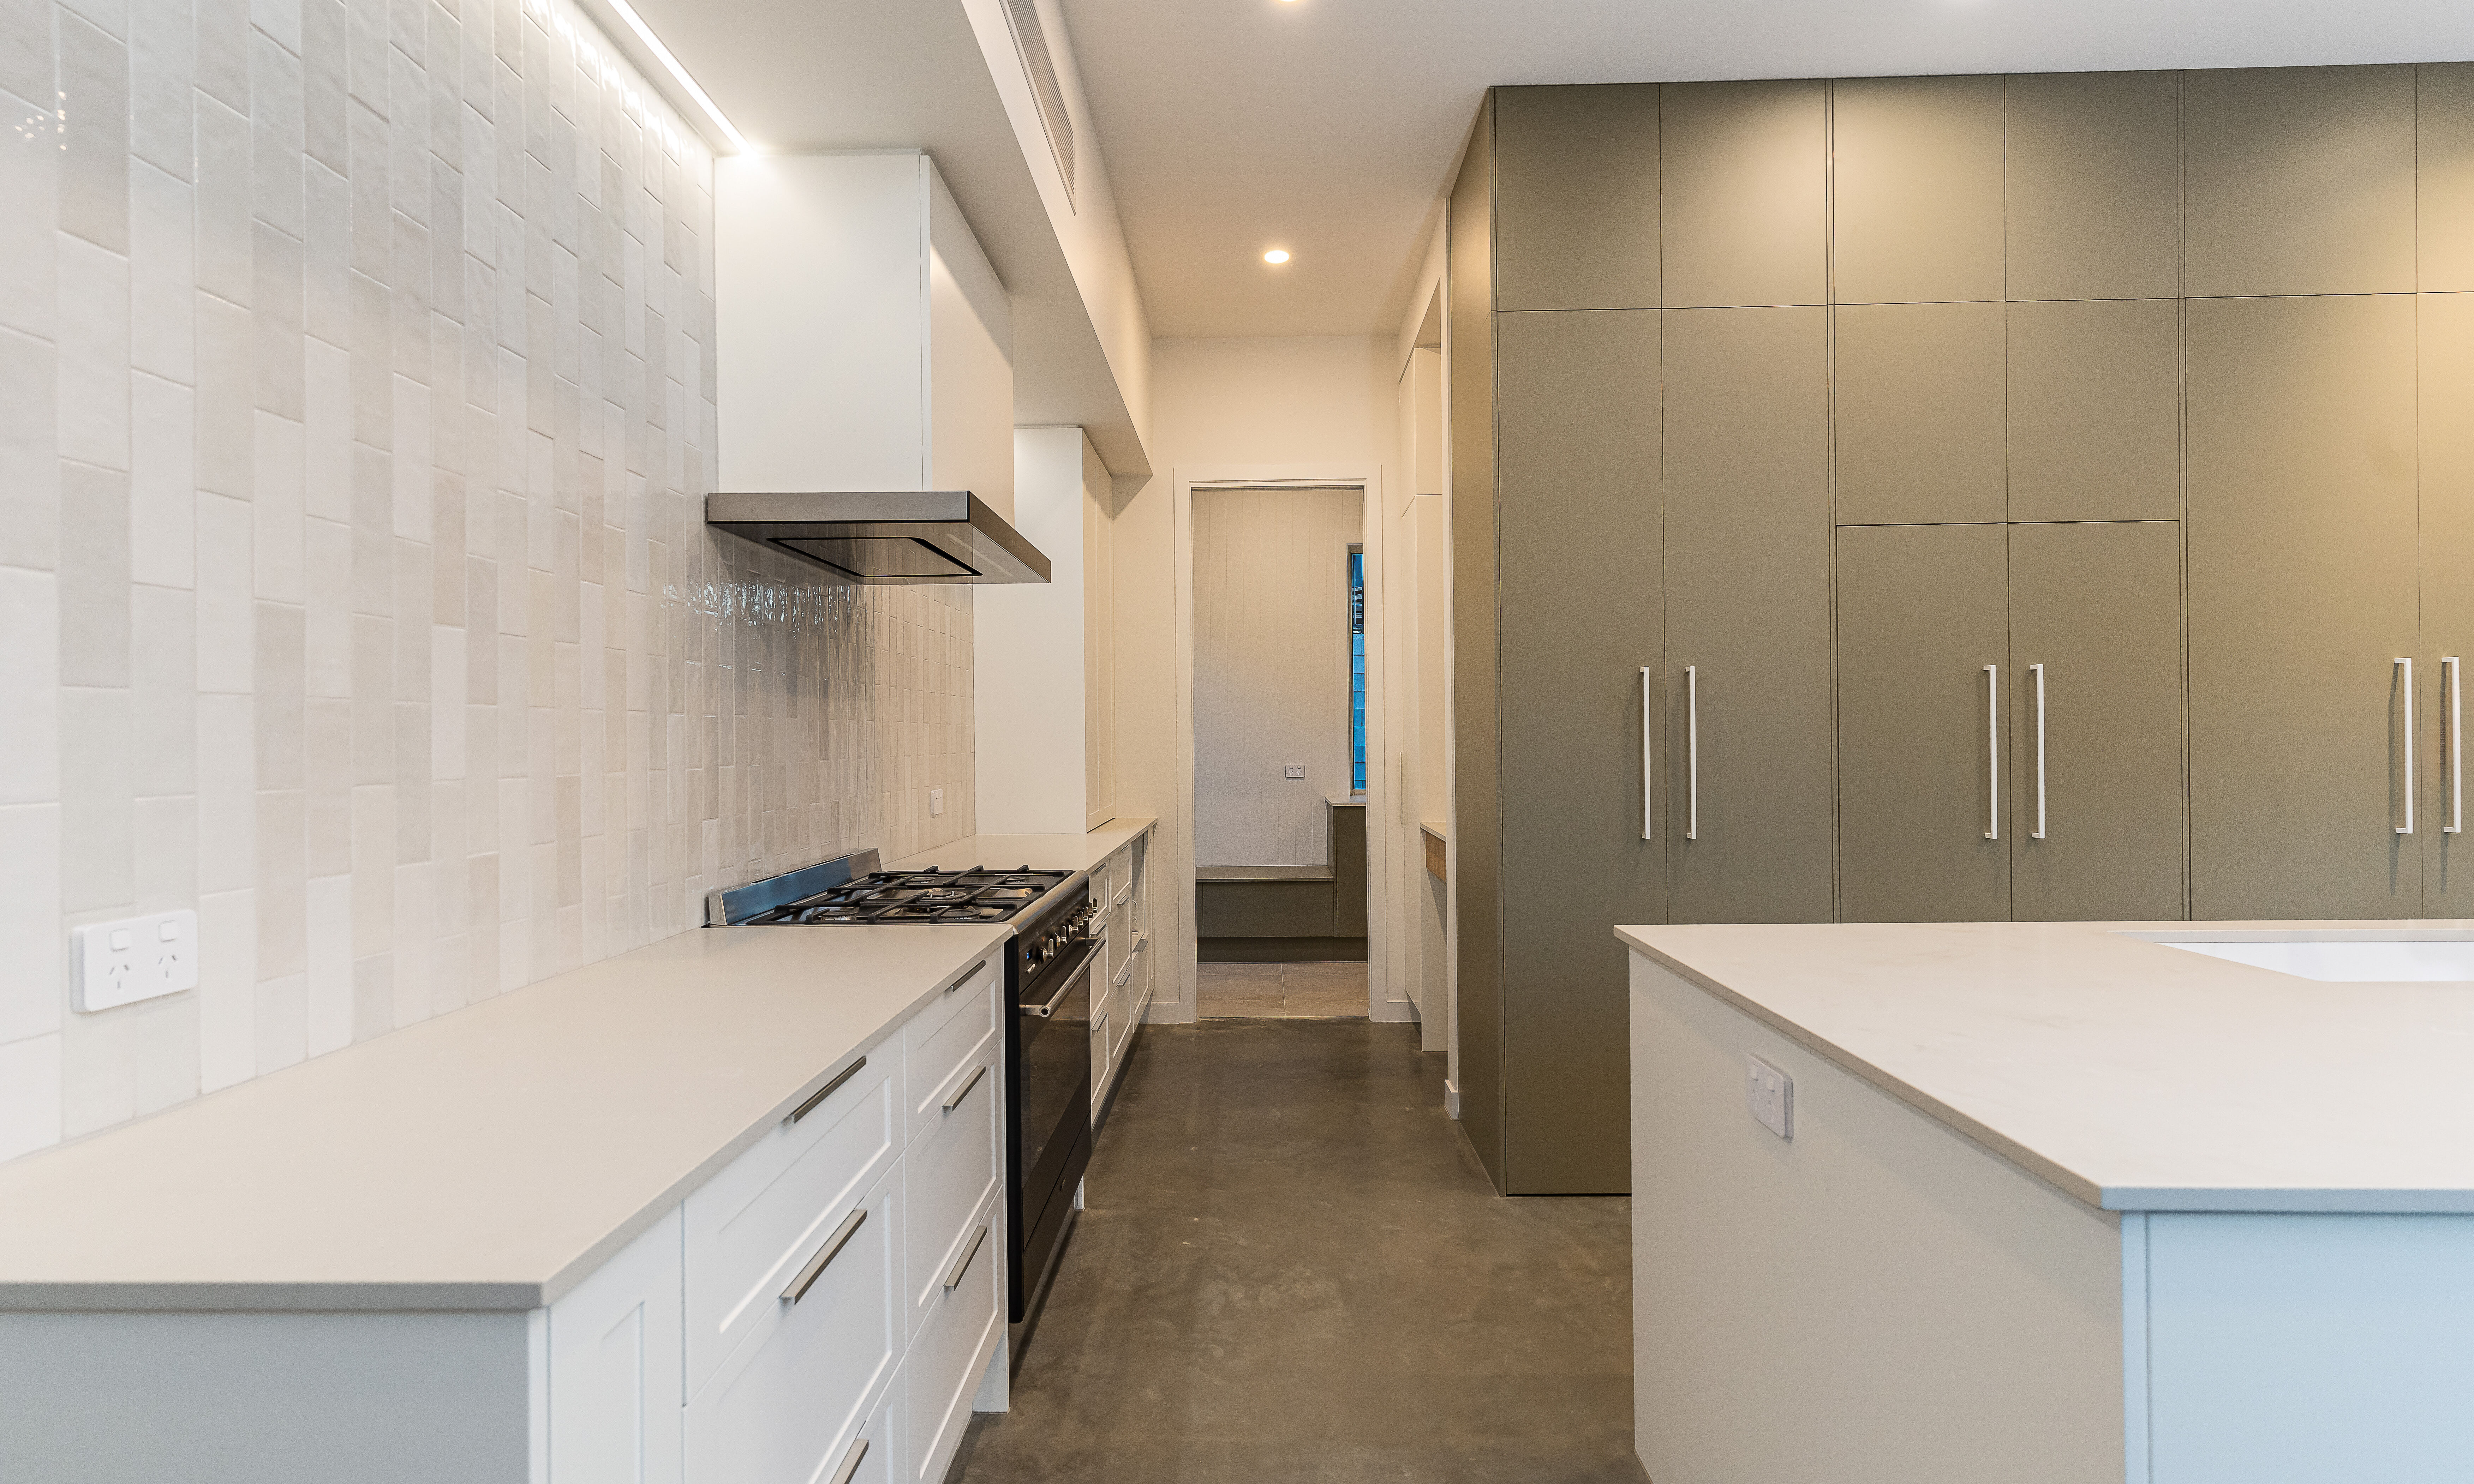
[(356, 417)]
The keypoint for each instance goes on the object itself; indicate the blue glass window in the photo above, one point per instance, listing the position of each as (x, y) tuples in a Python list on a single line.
[(1357, 671)]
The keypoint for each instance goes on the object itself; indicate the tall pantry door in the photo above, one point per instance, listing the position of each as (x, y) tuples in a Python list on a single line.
[(2447, 516), (1747, 401), (2303, 610), (1578, 563), (2097, 805), (1923, 652)]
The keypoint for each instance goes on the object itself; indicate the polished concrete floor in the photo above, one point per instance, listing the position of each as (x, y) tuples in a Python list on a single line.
[(1292, 1269), (1281, 991)]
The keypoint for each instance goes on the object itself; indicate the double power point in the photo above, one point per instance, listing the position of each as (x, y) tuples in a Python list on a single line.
[(122, 962)]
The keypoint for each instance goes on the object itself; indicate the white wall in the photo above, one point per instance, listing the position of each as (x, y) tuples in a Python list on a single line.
[(352, 576), (1031, 654), (1321, 399), (1420, 610), (1270, 671), (1274, 400)]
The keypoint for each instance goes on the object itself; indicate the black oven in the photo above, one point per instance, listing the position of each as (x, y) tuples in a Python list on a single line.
[(1048, 1066)]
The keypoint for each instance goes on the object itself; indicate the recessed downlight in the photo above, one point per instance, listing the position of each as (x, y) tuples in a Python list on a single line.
[(1277, 255)]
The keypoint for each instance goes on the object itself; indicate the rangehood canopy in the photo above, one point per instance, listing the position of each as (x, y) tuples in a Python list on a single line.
[(917, 536)]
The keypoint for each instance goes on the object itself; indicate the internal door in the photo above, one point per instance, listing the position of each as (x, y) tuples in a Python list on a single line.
[(2097, 816), (2303, 613), (1747, 401), (1923, 645)]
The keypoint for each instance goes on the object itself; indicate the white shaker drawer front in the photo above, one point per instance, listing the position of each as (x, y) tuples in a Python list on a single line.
[(789, 1402), (751, 1227), (1124, 1011), (943, 1370), (950, 1175), (943, 1041)]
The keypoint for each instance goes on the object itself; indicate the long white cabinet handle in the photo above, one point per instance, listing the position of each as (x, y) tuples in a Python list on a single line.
[(2405, 746), (2038, 671), (1992, 752), (1645, 729), (1692, 752), (2455, 825)]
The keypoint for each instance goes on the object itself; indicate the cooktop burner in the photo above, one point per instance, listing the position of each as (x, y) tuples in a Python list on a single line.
[(888, 897)]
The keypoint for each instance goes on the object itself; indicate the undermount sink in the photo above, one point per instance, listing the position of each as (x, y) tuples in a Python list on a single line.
[(2337, 957)]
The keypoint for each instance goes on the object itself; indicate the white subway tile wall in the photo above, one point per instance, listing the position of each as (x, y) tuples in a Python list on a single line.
[(356, 414)]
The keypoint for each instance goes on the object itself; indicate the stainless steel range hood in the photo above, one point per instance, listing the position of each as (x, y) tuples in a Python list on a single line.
[(919, 536)]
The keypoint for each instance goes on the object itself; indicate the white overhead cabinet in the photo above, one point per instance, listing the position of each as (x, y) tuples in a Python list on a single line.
[(863, 342)]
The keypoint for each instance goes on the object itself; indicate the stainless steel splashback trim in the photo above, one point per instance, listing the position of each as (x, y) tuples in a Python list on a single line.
[(738, 903)]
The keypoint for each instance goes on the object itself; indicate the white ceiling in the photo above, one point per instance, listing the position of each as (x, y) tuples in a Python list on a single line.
[(1327, 127)]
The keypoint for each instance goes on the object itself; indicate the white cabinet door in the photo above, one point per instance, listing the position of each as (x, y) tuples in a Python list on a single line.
[(751, 1226), (787, 1401), (616, 1377), (1100, 1064), (1124, 1008), (945, 1043), (881, 1454), (948, 1175), (952, 1352)]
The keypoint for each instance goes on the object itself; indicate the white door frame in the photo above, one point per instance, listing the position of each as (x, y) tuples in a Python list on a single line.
[(1368, 480)]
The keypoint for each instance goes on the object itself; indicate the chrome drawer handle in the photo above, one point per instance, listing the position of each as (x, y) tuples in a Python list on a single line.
[(1647, 688), (1692, 752), (825, 1256), (1992, 752), (850, 1462), (2405, 741), (827, 1091), (963, 1091), (954, 1277), (2038, 671)]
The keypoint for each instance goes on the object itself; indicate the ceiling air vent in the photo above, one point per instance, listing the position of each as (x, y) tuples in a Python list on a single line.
[(1031, 39)]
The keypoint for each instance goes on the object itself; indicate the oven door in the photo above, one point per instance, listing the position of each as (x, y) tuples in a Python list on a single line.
[(1052, 1028)]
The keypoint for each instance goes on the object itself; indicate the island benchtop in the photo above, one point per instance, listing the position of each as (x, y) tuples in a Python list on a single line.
[(2132, 1075), (486, 1159)]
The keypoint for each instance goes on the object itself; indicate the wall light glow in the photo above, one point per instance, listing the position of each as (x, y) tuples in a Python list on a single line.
[(1277, 255)]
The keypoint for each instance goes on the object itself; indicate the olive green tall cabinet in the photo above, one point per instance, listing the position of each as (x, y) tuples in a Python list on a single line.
[(1954, 499)]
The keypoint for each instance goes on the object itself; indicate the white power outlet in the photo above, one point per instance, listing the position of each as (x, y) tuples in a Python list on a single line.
[(1770, 1094), (935, 800), (1294, 771), (135, 958)]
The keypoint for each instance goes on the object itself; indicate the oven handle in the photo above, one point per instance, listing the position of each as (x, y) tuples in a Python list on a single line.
[(1090, 947)]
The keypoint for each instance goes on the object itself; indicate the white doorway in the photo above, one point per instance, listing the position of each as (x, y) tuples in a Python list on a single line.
[(1280, 613)]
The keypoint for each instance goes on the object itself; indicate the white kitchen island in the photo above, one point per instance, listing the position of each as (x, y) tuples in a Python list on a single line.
[(2059, 1201)]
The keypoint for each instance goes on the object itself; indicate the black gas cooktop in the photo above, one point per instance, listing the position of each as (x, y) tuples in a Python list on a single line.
[(887, 896)]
